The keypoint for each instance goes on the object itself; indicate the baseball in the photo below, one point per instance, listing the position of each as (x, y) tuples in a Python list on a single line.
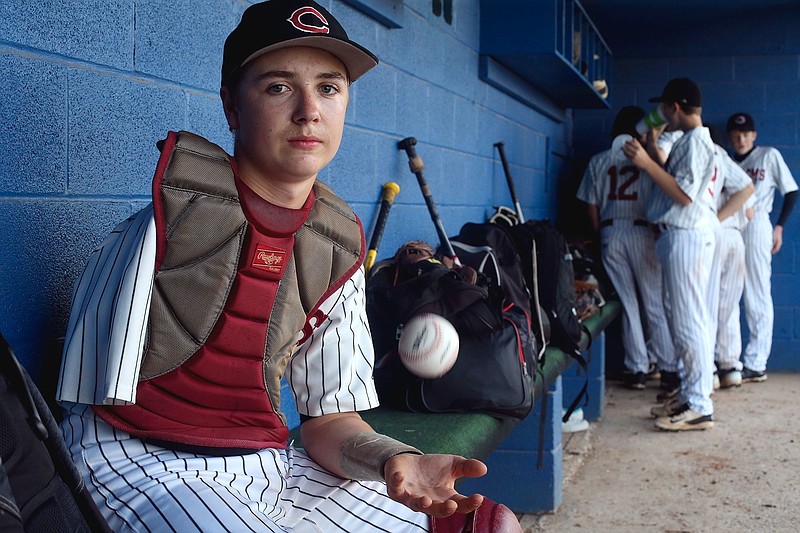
[(428, 345)]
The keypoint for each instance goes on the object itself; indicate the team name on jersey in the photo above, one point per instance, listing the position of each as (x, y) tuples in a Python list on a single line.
[(756, 174)]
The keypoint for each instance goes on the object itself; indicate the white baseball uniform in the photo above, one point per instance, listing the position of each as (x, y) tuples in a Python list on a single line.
[(685, 248), (620, 190), (727, 271), (140, 486), (769, 171)]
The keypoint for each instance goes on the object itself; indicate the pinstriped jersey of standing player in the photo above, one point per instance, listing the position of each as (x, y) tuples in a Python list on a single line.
[(616, 186), (692, 161), (768, 170)]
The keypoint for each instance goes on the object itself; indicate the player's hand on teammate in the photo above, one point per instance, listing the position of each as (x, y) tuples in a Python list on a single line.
[(636, 153), (426, 483)]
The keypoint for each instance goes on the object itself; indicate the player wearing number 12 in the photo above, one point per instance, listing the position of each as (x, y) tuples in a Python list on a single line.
[(617, 193)]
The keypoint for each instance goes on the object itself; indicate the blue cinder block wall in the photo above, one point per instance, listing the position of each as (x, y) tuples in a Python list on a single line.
[(89, 87), (747, 64)]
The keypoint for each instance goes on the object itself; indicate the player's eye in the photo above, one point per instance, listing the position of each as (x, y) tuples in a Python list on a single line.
[(277, 88), (329, 88)]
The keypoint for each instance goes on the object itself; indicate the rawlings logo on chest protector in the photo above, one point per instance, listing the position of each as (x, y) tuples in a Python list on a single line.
[(269, 258)]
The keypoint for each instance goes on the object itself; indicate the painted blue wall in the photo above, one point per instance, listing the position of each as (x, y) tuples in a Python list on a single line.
[(89, 87), (742, 64)]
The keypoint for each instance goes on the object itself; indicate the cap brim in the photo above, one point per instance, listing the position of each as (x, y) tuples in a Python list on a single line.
[(656, 99), (357, 59)]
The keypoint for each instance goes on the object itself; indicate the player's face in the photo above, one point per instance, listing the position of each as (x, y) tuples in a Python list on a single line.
[(288, 112), (670, 112), (742, 141)]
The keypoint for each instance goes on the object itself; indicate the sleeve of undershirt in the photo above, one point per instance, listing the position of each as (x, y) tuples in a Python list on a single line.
[(332, 371), (789, 202)]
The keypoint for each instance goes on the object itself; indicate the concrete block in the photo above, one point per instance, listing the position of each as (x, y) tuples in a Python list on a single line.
[(766, 67), (39, 266), (114, 125), (74, 29), (182, 40), (33, 126)]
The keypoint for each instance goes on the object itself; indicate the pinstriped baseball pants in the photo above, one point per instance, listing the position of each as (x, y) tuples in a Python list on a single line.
[(727, 284), (686, 256), (142, 487), (758, 291), (628, 253)]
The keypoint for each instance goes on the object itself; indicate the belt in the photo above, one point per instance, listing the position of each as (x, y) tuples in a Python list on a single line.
[(637, 222)]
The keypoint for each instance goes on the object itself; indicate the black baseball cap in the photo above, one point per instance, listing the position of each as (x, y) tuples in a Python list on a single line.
[(681, 90), (741, 122), (626, 120), (279, 24)]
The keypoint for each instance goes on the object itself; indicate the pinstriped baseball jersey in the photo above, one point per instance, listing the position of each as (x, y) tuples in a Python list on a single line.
[(691, 162), (727, 272), (616, 186), (336, 362), (730, 179), (768, 170), (621, 190), (668, 139)]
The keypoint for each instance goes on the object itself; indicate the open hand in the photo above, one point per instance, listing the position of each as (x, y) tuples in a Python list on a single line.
[(426, 483)]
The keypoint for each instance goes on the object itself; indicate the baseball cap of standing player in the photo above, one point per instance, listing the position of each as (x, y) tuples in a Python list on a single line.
[(741, 122), (277, 24), (681, 90)]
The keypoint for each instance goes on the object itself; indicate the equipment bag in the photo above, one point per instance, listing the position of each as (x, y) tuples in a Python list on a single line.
[(493, 371), (40, 488), (477, 241), (555, 277)]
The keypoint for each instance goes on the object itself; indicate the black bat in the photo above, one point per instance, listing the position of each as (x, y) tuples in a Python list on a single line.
[(513, 190), (390, 190), (416, 165)]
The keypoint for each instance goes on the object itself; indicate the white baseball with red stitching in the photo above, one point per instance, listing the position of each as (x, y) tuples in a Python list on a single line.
[(428, 345)]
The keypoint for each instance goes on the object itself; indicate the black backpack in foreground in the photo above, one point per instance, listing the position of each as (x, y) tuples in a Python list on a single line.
[(40, 488)]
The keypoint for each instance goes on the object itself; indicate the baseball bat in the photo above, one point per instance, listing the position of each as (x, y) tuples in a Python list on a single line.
[(510, 180), (390, 190), (416, 165)]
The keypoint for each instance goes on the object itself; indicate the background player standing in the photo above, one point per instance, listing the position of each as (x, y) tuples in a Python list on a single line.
[(617, 192), (769, 171), (728, 268), (681, 209)]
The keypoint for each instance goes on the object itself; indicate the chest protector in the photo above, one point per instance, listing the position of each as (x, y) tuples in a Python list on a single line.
[(230, 303)]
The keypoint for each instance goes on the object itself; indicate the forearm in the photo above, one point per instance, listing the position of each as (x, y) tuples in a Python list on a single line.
[(735, 202), (345, 445)]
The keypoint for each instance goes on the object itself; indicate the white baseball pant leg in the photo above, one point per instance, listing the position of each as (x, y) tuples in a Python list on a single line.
[(686, 256), (615, 253), (730, 252), (758, 291), (142, 487)]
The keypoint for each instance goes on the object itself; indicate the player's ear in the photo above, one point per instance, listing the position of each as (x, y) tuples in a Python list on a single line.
[(230, 108)]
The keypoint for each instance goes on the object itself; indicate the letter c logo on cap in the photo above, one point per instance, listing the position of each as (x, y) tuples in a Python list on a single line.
[(295, 21)]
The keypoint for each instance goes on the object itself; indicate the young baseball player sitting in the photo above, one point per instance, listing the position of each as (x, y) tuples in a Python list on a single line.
[(769, 171), (682, 210), (617, 193), (241, 269)]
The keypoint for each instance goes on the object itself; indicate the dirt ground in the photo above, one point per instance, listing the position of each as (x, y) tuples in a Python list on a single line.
[(741, 475)]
